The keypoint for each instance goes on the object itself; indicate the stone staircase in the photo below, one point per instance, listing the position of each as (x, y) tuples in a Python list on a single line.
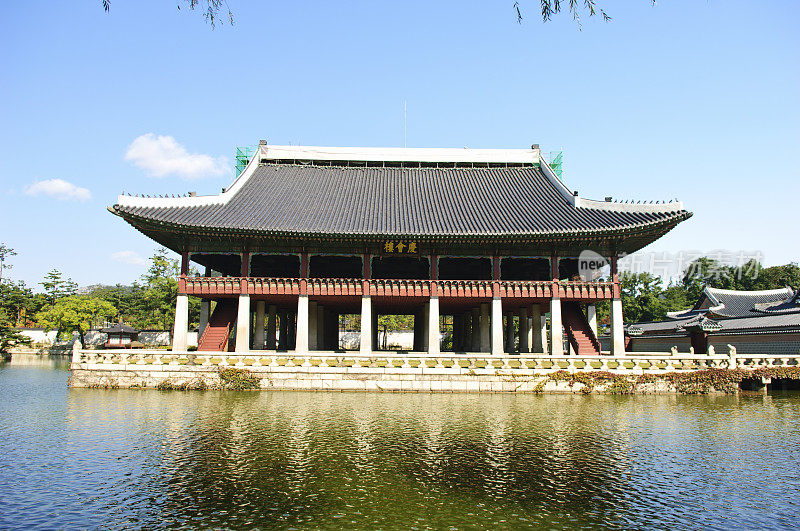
[(218, 329), (579, 333)]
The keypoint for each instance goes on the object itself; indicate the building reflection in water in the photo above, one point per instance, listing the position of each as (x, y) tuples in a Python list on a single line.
[(325, 459)]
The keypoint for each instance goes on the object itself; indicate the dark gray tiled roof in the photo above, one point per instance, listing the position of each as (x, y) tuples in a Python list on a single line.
[(788, 322), (784, 306), (780, 313), (319, 200), (663, 327), (735, 303), (784, 322), (741, 303), (701, 322)]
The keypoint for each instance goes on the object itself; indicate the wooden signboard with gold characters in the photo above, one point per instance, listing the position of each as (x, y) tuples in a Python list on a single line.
[(400, 247)]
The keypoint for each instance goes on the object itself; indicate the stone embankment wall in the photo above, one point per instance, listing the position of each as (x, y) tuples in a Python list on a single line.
[(339, 379), (652, 372)]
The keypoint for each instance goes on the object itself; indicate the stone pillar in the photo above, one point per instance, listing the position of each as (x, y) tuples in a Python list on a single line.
[(556, 330), (529, 330), (312, 325), (243, 324), (617, 332), (205, 310), (301, 343), (497, 326), (433, 326), (591, 316), (366, 324), (321, 328), (524, 331), (271, 322), (538, 331), (486, 337), (475, 324), (258, 335), (426, 311), (181, 330)]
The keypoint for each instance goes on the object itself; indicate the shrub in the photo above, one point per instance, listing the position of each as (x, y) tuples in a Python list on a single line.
[(238, 379)]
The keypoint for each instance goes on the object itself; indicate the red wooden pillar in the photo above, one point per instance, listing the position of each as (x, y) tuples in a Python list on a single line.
[(303, 273), (184, 272), (495, 276), (615, 276), (244, 272), (434, 275), (366, 272), (556, 290)]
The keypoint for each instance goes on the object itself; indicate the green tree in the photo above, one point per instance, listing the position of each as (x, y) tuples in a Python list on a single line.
[(673, 299), (19, 302), (5, 253), (392, 323), (778, 277), (128, 300), (56, 287), (76, 313), (640, 296), (160, 291), (10, 338), (706, 272)]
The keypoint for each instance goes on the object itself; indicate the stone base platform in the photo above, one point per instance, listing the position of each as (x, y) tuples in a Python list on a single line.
[(656, 373)]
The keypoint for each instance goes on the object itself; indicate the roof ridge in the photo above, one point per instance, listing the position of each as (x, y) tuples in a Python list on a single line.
[(777, 291)]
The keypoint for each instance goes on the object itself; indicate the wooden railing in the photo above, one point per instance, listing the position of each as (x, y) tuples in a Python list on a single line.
[(477, 289), (578, 290)]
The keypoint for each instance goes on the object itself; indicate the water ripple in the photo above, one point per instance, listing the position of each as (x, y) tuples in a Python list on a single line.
[(294, 460)]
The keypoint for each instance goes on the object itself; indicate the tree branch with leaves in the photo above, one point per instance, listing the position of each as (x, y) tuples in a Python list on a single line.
[(211, 10), (5, 253)]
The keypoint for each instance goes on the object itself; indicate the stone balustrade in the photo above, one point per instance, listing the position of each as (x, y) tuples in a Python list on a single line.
[(638, 363)]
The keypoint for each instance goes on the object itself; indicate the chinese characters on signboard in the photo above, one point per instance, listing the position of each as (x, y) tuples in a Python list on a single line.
[(400, 247)]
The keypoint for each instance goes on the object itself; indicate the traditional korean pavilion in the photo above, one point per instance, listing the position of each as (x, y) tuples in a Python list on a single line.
[(119, 335), (306, 234)]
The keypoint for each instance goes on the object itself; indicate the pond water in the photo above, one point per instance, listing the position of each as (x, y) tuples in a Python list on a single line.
[(85, 458)]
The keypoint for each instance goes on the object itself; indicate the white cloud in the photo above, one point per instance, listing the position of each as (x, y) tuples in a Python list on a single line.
[(128, 257), (162, 155), (58, 188)]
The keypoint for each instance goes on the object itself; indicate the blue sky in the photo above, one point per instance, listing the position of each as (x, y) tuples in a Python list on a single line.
[(694, 100)]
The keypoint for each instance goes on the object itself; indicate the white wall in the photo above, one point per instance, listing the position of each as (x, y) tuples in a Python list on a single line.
[(757, 343), (38, 335), (660, 344)]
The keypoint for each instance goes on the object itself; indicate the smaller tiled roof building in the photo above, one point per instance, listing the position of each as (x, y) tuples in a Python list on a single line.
[(755, 322)]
